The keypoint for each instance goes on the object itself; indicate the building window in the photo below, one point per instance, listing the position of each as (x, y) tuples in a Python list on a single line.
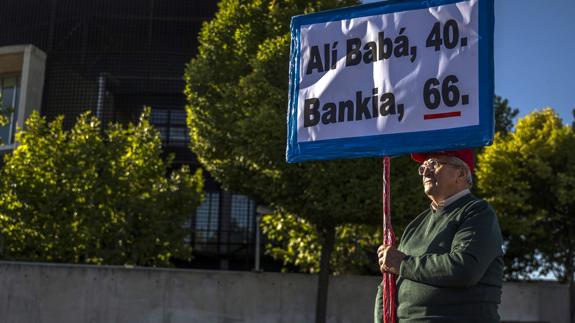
[(9, 90), (224, 224), (242, 218), (207, 223), (171, 122)]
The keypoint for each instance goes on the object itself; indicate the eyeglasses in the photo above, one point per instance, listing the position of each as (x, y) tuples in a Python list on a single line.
[(431, 164)]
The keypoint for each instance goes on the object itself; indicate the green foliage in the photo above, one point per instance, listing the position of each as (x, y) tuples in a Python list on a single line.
[(529, 178), (87, 196), (295, 241), (237, 90), (292, 240), (504, 115)]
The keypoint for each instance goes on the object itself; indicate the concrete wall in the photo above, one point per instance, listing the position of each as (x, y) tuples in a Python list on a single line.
[(45, 293), (535, 302)]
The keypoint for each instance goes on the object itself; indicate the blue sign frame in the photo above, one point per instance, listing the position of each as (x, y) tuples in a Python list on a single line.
[(402, 143)]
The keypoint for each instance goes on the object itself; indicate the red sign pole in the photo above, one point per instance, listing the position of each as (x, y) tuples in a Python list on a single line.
[(389, 289)]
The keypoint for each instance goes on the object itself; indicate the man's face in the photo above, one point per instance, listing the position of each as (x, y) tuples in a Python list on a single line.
[(442, 181)]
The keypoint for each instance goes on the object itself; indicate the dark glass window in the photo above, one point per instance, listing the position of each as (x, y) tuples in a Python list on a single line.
[(242, 210), (207, 221), (224, 225), (242, 218), (178, 117), (171, 122), (9, 90), (159, 116)]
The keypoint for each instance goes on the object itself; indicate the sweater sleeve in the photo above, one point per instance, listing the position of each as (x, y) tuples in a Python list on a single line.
[(378, 308), (476, 243)]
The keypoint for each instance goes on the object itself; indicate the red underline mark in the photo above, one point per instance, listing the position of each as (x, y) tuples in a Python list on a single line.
[(442, 115)]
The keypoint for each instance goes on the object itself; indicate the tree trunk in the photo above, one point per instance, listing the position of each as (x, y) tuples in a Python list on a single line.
[(328, 235)]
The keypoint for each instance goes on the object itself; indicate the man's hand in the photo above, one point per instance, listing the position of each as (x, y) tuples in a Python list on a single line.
[(389, 259)]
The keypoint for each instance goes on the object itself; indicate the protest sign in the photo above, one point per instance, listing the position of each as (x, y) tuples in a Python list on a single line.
[(388, 78)]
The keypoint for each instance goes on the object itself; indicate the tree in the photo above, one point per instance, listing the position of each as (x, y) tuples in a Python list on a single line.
[(87, 196), (504, 115), (237, 90), (294, 241), (529, 178)]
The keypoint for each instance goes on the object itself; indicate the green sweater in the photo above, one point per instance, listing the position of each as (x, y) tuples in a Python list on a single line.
[(454, 268)]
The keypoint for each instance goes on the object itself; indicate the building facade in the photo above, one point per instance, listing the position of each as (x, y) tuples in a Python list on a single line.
[(112, 57)]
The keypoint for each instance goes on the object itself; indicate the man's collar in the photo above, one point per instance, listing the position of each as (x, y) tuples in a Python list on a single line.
[(441, 205)]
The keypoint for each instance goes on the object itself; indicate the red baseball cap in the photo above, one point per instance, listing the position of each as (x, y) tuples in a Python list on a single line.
[(466, 155)]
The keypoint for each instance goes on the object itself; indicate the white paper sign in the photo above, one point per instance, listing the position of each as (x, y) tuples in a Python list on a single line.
[(392, 73)]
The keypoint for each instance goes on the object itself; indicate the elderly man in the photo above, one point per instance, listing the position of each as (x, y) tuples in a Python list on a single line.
[(449, 262)]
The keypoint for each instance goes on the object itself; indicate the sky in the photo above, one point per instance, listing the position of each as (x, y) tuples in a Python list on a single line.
[(534, 51)]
